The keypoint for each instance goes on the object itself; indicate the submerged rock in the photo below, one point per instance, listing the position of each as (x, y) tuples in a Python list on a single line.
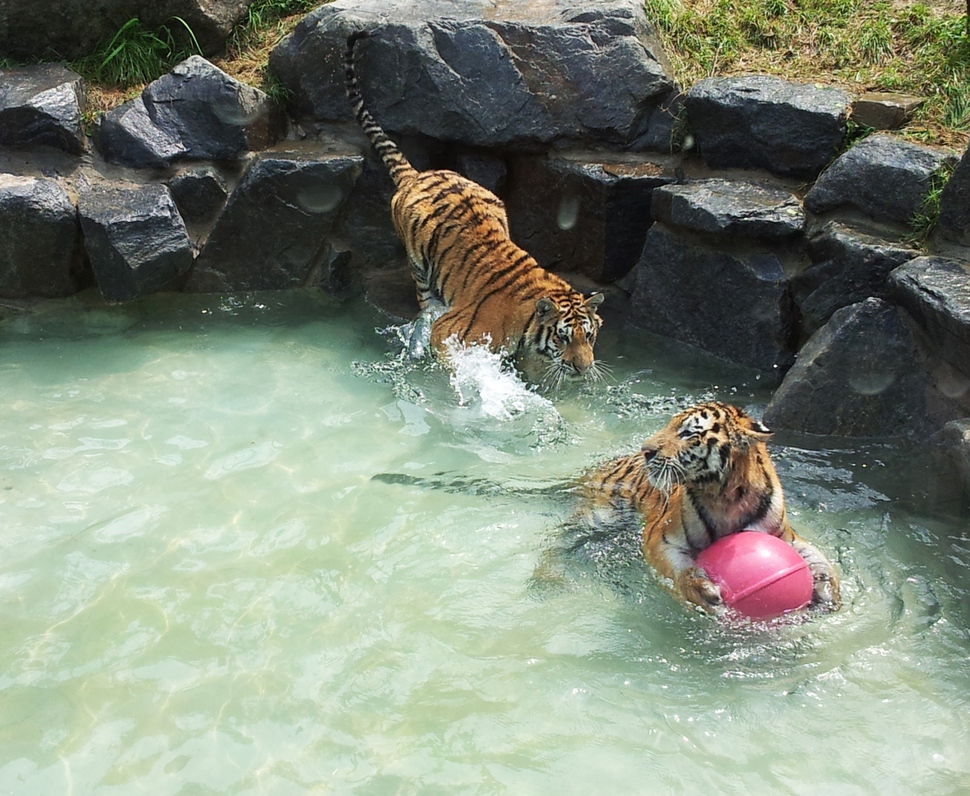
[(196, 111), (40, 241), (762, 122), (135, 238), (484, 73), (41, 105), (273, 233)]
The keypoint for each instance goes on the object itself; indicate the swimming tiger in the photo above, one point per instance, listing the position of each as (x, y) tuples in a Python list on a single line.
[(457, 239), (705, 475)]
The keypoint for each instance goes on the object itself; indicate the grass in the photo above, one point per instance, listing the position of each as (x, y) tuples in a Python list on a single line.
[(924, 221), (905, 46)]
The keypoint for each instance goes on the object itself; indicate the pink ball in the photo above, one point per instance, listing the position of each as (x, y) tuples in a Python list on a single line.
[(760, 575)]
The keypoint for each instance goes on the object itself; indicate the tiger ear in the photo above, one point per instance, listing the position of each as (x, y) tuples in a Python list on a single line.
[(756, 430), (595, 300), (546, 310)]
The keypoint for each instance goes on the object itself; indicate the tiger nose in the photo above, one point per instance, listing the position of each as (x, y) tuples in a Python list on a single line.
[(649, 451)]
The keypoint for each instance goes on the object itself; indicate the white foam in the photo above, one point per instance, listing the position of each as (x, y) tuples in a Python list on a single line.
[(486, 387)]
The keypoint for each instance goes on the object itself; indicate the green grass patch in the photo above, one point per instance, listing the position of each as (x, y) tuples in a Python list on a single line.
[(906, 46), (136, 55)]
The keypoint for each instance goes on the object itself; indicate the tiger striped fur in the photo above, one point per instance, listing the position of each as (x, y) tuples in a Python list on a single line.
[(457, 239), (705, 475)]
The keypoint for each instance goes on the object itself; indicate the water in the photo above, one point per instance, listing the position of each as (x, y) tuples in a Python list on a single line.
[(247, 548)]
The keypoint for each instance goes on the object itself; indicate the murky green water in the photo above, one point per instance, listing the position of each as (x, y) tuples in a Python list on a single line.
[(242, 552)]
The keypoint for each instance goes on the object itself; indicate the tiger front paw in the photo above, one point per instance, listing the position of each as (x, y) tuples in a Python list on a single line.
[(696, 588), (826, 595)]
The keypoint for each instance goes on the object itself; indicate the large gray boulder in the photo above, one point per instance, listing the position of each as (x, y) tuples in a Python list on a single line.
[(935, 291), (735, 304), (847, 266), (40, 241), (730, 208), (583, 213), (882, 176), (273, 233), (954, 221), (68, 29), (484, 72), (41, 105), (860, 375), (194, 112), (135, 238), (762, 122)]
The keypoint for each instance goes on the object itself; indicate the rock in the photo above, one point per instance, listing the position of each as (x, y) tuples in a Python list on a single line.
[(762, 122), (860, 375), (135, 239), (66, 29), (847, 266), (935, 291), (729, 208), (956, 440), (41, 254), (882, 176), (484, 72), (273, 233), (584, 213), (487, 170), (954, 220), (199, 193), (733, 304), (196, 111), (884, 111), (41, 105)]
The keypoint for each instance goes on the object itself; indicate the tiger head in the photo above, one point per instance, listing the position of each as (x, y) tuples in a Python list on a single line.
[(567, 329), (703, 445)]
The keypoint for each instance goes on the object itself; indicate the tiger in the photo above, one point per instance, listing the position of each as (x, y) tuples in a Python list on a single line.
[(705, 475), (464, 264)]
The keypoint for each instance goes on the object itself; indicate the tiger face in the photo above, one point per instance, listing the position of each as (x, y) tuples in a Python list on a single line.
[(567, 329), (701, 445)]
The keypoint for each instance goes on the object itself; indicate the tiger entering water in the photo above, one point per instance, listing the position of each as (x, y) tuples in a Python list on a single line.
[(457, 239)]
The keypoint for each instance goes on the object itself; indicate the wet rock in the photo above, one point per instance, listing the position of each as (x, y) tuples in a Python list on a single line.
[(196, 111), (882, 176), (41, 105), (847, 266), (734, 304), (40, 240), (584, 213), (199, 193), (762, 122), (274, 231), (860, 375), (537, 72), (67, 29), (954, 220), (935, 291), (135, 238), (956, 436), (731, 208), (884, 111)]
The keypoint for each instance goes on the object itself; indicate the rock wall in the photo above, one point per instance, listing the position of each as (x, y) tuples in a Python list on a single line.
[(735, 217)]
